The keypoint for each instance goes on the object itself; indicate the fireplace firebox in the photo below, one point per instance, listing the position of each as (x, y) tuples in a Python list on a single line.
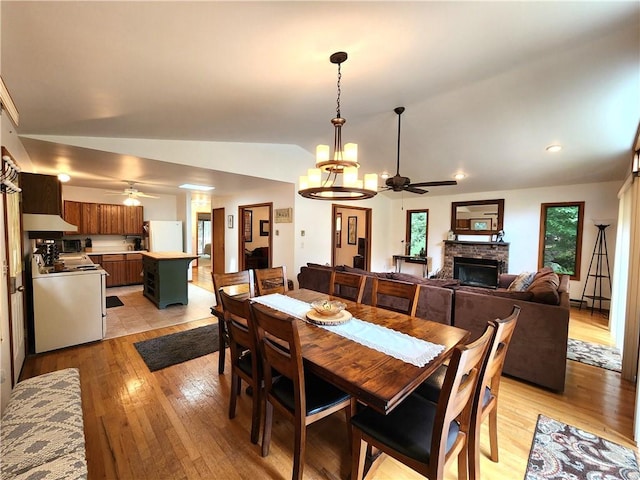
[(476, 272)]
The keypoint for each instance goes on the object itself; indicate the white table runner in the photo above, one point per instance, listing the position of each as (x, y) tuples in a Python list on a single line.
[(399, 345)]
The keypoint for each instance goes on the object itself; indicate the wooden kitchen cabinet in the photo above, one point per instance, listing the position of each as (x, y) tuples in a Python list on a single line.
[(134, 268), (133, 218), (41, 194), (90, 220), (111, 218), (116, 267), (73, 215), (83, 215)]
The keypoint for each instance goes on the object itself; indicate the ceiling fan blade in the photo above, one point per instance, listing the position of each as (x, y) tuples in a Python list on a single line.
[(115, 193), (434, 184), (140, 194), (412, 189)]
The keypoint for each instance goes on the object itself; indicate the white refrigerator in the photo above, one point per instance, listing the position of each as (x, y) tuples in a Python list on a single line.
[(165, 236)]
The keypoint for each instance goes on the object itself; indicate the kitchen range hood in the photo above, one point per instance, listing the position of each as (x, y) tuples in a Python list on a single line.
[(36, 222)]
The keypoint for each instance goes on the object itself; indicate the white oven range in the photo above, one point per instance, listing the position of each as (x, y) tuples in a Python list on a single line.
[(69, 305)]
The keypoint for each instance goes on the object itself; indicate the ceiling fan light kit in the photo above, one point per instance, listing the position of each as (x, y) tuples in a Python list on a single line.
[(341, 182), (398, 183)]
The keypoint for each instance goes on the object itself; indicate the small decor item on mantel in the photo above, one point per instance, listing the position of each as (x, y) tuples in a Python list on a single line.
[(500, 236), (451, 236)]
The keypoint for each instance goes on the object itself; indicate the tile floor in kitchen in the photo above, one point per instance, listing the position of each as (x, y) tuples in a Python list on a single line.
[(139, 314)]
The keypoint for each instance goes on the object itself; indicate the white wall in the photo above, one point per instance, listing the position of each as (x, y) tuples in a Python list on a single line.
[(521, 223)]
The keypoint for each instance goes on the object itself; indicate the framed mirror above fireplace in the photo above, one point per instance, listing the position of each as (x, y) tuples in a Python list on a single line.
[(478, 217)]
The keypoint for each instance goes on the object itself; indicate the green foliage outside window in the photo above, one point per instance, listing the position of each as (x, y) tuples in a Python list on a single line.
[(417, 226), (562, 237)]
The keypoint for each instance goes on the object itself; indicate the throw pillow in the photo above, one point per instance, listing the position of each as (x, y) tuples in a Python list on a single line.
[(522, 282), (545, 287)]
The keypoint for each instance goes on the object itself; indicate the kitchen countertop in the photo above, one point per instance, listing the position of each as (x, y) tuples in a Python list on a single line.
[(169, 255), (113, 252)]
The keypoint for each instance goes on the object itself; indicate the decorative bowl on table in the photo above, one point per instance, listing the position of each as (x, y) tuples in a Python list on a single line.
[(328, 312), (328, 308)]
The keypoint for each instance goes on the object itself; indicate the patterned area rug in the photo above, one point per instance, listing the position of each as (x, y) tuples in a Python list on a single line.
[(562, 452), (594, 354)]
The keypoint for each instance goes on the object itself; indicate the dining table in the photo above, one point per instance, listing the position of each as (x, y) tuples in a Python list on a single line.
[(375, 378)]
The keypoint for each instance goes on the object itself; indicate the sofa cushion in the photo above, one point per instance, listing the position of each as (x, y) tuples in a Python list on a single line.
[(545, 287), (522, 282), (526, 296), (72, 466)]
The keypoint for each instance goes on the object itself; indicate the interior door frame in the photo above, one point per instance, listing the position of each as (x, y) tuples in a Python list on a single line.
[(367, 232), (218, 245), (241, 242)]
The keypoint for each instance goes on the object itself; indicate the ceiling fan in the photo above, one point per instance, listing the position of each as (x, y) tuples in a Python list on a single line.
[(131, 192), (398, 183)]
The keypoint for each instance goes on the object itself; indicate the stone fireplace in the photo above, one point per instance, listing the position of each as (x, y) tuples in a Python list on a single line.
[(477, 272), (498, 251)]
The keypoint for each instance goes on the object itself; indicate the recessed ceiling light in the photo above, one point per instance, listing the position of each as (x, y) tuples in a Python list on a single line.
[(459, 176), (554, 148), (64, 177), (190, 186)]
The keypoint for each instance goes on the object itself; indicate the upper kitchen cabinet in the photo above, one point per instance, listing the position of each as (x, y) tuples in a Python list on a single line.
[(103, 218), (133, 218), (41, 194), (111, 218)]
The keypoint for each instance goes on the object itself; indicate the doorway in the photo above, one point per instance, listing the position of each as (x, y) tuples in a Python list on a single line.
[(255, 238), (351, 236)]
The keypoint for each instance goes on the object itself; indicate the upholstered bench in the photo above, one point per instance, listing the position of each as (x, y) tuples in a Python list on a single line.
[(42, 430)]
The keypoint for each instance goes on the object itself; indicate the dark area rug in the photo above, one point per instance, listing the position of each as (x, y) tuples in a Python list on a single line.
[(113, 301), (162, 352), (561, 452), (593, 354)]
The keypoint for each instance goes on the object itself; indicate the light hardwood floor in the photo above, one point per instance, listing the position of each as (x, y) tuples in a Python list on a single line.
[(173, 424)]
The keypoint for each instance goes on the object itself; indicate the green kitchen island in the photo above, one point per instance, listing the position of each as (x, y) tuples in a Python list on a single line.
[(165, 277)]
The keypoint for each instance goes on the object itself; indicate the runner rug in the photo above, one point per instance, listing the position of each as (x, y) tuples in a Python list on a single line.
[(562, 452), (593, 354), (167, 350)]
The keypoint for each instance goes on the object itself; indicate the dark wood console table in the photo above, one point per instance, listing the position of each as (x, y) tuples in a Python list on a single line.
[(165, 277), (425, 261)]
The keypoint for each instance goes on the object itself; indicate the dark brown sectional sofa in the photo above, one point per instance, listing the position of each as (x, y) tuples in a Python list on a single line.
[(538, 350)]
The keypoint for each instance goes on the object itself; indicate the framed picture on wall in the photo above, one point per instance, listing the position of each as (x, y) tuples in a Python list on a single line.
[(352, 230), (248, 219), (229, 221), (338, 230), (264, 228)]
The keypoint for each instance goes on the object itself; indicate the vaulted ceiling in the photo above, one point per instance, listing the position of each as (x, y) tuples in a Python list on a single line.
[(486, 85)]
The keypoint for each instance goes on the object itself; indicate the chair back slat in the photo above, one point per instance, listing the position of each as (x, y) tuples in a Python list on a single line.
[(279, 345), (405, 291), (271, 280), (244, 277), (347, 285), (237, 319), (456, 400)]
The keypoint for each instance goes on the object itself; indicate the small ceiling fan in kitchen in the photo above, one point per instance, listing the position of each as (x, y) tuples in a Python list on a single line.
[(132, 195), (398, 183)]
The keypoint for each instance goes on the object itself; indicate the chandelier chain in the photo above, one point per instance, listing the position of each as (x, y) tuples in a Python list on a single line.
[(338, 99)]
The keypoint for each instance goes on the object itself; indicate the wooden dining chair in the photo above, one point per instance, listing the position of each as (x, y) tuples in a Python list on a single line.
[(395, 295), (271, 280), (487, 398), (245, 358), (244, 277), (300, 395), (347, 285), (423, 435)]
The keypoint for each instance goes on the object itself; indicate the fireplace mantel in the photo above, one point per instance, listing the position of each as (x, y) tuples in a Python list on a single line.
[(474, 249), (472, 242)]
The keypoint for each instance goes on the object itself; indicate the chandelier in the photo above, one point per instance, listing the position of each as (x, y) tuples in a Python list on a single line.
[(341, 181)]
